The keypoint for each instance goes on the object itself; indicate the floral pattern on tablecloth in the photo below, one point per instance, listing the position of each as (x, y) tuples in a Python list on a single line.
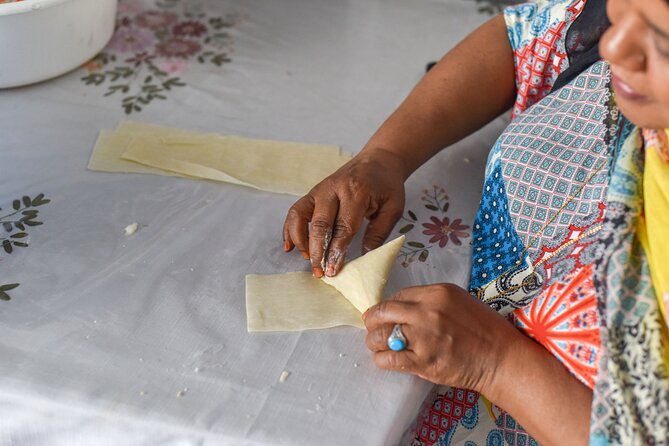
[(15, 221), (438, 229), (152, 49)]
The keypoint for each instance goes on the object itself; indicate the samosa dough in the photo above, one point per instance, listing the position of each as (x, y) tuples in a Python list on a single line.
[(298, 301), (294, 302), (111, 144), (273, 166), (363, 280), (109, 148)]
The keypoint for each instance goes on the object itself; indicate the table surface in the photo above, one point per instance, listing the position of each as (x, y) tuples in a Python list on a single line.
[(115, 339)]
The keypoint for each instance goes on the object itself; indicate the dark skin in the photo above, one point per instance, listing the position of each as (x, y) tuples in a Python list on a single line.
[(371, 185), (637, 49), (454, 339)]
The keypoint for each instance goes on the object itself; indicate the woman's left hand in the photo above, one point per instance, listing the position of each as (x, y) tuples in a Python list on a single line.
[(452, 337)]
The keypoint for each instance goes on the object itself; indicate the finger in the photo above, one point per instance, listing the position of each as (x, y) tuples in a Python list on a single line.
[(348, 221), (380, 226), (320, 232), (390, 312), (405, 361), (296, 225), (377, 340)]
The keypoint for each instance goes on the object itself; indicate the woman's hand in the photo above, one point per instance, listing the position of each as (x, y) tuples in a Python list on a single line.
[(452, 337), (322, 223), (455, 339)]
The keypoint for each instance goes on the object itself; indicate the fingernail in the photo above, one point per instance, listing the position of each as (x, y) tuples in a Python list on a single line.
[(305, 255), (333, 262), (364, 315), (329, 267), (286, 246), (317, 272)]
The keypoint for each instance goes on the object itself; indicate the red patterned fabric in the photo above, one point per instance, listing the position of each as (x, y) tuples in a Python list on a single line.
[(447, 410), (565, 321), (539, 62), (564, 317)]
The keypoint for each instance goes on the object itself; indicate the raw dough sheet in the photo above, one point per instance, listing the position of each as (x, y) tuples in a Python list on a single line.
[(363, 280), (294, 302), (298, 301), (274, 166)]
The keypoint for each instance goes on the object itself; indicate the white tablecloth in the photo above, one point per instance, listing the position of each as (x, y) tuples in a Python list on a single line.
[(115, 339)]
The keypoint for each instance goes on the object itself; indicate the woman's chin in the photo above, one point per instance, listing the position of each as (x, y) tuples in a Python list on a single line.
[(644, 114)]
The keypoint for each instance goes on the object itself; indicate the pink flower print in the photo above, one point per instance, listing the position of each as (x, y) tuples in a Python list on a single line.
[(443, 230), (156, 19), (177, 48), (189, 29), (171, 66), (131, 40)]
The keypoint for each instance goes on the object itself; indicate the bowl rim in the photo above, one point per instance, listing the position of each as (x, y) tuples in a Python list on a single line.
[(28, 6)]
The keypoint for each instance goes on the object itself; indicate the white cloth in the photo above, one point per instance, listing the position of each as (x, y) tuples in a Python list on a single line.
[(105, 330)]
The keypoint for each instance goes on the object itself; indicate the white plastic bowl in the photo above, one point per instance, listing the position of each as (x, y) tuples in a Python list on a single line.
[(42, 39)]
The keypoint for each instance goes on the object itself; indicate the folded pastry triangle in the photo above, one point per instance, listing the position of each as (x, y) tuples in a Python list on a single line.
[(363, 280)]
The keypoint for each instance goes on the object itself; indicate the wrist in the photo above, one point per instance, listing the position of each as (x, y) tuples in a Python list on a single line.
[(508, 365), (389, 160), (534, 386)]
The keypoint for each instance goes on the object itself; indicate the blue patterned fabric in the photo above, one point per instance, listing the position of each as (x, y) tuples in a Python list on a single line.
[(496, 246), (548, 169)]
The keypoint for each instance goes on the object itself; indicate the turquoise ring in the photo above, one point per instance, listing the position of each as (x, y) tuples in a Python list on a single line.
[(396, 341)]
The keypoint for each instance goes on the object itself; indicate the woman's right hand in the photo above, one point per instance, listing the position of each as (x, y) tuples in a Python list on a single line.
[(322, 223)]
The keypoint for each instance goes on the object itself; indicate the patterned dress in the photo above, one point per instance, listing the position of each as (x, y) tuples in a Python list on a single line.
[(541, 237)]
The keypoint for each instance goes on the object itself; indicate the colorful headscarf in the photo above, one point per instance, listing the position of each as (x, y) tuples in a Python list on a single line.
[(631, 395), (655, 225)]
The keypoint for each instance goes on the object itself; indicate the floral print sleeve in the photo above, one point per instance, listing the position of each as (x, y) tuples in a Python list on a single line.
[(536, 32)]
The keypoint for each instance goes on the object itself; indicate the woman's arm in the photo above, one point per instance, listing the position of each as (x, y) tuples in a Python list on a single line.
[(455, 339), (541, 394), (470, 86)]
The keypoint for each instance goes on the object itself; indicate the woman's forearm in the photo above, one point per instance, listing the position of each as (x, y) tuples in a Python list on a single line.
[(471, 85), (541, 394)]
